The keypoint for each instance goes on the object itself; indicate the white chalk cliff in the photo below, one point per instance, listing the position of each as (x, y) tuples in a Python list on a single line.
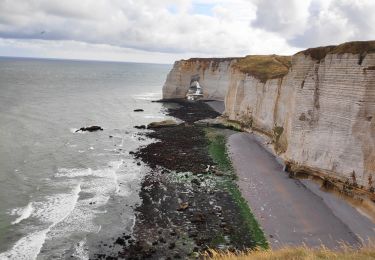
[(319, 109)]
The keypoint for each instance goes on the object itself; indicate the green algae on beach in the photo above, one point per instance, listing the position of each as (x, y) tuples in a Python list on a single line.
[(218, 151)]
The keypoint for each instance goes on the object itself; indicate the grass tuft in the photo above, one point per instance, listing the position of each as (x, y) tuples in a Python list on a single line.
[(296, 253)]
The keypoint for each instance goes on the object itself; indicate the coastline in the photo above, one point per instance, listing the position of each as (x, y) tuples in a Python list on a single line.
[(195, 200), (190, 200)]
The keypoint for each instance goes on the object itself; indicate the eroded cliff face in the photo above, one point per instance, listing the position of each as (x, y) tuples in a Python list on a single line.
[(320, 114), (214, 77)]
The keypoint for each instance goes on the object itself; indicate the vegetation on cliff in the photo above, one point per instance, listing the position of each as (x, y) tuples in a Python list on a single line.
[(358, 47), (264, 67), (297, 253)]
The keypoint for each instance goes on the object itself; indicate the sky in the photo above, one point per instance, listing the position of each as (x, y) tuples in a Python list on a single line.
[(162, 31)]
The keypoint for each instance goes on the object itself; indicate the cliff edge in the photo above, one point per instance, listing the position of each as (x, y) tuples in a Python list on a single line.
[(317, 106)]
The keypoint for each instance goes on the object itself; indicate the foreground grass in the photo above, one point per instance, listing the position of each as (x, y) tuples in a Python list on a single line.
[(218, 151), (297, 253)]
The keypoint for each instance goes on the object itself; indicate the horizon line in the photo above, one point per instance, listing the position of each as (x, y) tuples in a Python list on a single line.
[(80, 60)]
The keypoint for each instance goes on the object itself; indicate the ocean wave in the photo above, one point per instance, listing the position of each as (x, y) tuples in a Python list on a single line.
[(66, 213), (24, 213), (53, 212)]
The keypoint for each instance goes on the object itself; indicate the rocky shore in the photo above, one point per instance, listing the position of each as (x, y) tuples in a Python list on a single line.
[(190, 201)]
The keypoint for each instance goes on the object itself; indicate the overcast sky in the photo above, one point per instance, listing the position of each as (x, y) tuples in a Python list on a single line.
[(162, 31)]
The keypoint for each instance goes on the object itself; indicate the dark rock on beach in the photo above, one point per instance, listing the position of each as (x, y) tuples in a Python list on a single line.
[(138, 110), (161, 124)]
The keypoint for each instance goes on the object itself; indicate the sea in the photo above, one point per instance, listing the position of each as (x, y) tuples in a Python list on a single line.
[(63, 192)]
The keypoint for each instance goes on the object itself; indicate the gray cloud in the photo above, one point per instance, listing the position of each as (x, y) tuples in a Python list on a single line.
[(317, 22), (282, 16), (339, 21), (231, 27), (144, 25)]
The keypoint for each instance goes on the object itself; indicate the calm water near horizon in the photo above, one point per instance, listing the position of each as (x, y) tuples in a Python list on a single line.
[(62, 192)]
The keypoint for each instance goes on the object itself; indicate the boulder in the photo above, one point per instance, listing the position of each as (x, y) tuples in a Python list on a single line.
[(138, 110), (165, 123)]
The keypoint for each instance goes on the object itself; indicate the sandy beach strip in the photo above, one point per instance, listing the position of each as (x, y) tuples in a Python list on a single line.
[(291, 211)]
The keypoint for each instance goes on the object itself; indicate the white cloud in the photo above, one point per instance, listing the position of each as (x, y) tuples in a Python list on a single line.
[(317, 22), (173, 29), (282, 16)]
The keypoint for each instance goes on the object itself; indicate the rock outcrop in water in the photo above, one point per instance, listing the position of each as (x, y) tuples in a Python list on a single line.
[(317, 106), (93, 128)]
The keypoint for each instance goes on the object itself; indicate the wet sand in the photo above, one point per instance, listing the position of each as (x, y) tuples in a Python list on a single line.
[(291, 211)]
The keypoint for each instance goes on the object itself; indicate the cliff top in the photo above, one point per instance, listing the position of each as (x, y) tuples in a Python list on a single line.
[(358, 47), (264, 67), (212, 59), (207, 62)]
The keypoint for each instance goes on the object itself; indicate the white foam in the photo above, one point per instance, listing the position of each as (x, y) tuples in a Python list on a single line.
[(27, 248), (63, 214), (54, 211), (81, 250), (116, 166), (148, 96), (154, 117), (74, 131), (109, 172), (24, 213), (72, 173)]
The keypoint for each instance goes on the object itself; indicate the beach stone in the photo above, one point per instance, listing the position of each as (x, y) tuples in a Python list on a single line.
[(120, 241), (183, 206), (138, 110), (196, 182), (164, 123), (198, 217), (172, 245)]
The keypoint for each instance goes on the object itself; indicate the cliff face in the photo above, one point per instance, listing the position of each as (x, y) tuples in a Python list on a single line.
[(214, 75), (320, 112)]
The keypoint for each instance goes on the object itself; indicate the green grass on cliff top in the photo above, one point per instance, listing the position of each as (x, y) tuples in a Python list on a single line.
[(264, 67), (358, 47)]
